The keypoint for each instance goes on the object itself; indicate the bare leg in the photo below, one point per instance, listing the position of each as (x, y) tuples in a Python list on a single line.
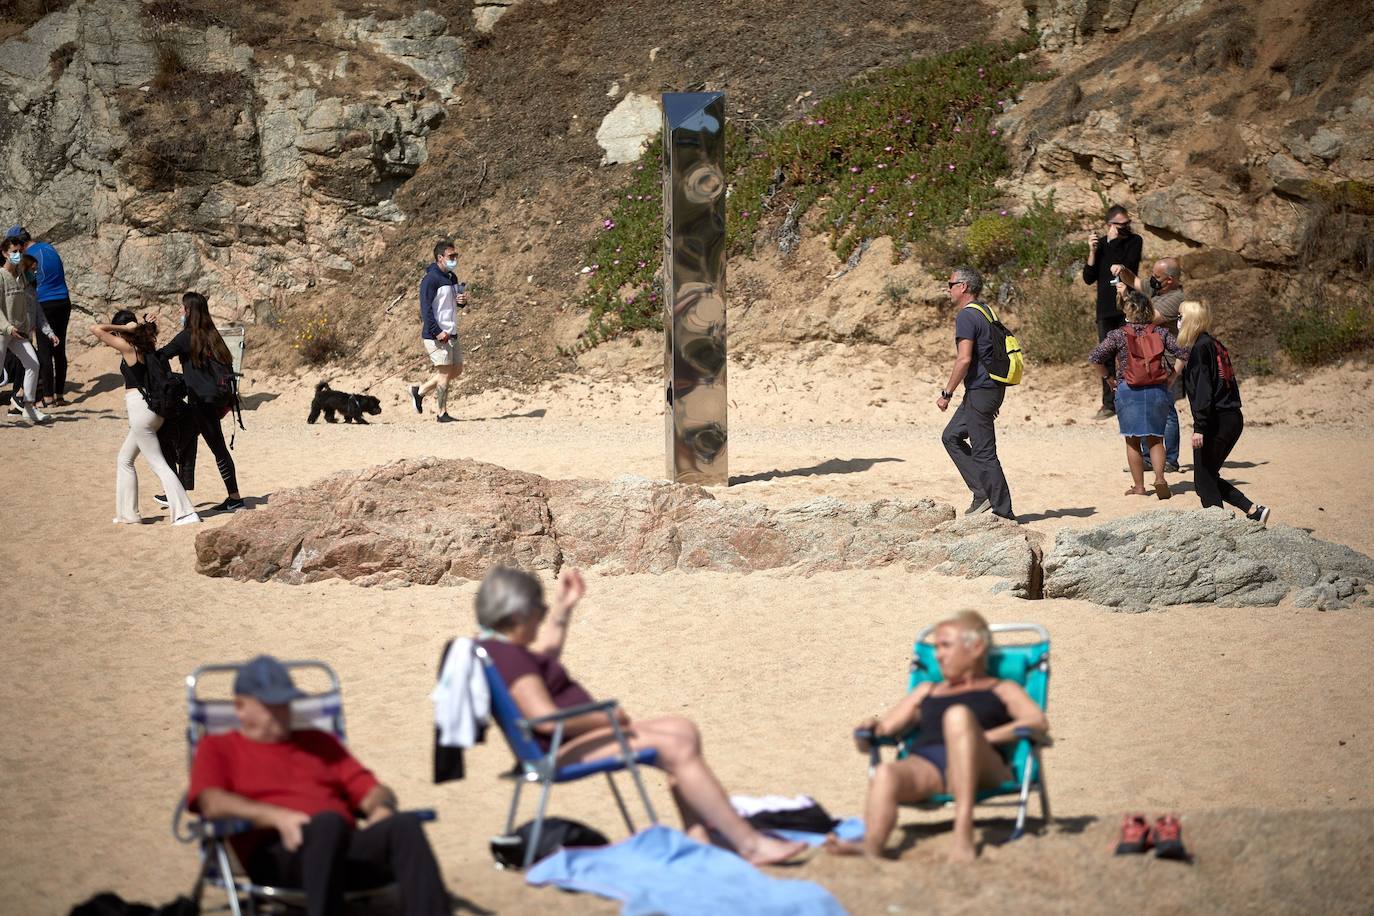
[(1136, 463), (1156, 445), (679, 750), (431, 383), (972, 762), (896, 781)]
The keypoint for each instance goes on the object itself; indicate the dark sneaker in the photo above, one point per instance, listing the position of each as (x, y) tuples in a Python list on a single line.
[(979, 505), (445, 418), (1259, 514), (1171, 467), (230, 505), (161, 500), (1149, 466), (1167, 837), (15, 412), (1104, 413), (416, 399), (1135, 835)]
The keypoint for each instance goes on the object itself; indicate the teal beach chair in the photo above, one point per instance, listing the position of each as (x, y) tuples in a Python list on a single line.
[(1027, 664)]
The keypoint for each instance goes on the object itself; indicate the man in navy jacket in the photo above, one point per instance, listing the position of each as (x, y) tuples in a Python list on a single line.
[(441, 295)]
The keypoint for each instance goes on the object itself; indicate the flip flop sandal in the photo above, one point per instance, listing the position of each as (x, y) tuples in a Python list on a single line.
[(1135, 835), (1134, 492), (1162, 490)]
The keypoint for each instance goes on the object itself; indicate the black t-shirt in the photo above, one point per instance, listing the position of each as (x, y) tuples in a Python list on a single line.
[(972, 324), (135, 376), (200, 384)]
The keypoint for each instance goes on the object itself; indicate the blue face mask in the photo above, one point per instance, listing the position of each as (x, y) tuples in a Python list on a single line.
[(450, 264), (183, 319), (16, 257)]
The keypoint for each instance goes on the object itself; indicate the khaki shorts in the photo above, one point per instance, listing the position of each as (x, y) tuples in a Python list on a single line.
[(446, 353)]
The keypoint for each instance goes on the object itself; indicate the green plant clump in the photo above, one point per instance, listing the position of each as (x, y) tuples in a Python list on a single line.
[(905, 152), (1327, 331)]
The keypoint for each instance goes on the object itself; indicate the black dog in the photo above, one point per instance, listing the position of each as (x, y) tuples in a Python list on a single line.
[(352, 406)]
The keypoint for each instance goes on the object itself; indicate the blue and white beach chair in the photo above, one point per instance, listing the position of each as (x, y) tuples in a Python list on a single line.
[(1027, 664), (219, 866), (534, 765)]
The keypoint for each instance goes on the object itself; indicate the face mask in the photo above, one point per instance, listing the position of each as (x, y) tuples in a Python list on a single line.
[(183, 319), (1155, 284), (16, 257), (450, 264)]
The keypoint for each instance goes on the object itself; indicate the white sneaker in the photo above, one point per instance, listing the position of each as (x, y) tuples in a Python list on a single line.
[(35, 415), (191, 519)]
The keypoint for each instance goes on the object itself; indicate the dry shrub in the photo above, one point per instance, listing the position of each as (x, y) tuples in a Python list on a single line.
[(317, 339), (1057, 322)]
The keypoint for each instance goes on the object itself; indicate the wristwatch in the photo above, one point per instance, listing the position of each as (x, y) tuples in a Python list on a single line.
[(946, 395)]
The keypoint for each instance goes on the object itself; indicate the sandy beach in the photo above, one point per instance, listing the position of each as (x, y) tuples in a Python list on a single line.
[(1251, 723)]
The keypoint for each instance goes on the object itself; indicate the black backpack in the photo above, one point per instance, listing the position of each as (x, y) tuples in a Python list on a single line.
[(164, 390), (509, 850)]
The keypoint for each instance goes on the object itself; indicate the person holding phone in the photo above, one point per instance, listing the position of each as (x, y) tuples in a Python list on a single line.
[(441, 295), (1123, 247)]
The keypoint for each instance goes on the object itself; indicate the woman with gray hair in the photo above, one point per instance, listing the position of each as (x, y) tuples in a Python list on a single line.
[(524, 636), (962, 718)]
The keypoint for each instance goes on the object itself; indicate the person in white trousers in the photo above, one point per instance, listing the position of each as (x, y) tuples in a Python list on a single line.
[(19, 315), (133, 340)]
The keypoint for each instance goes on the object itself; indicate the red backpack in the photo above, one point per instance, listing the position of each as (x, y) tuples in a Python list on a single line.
[(1144, 357)]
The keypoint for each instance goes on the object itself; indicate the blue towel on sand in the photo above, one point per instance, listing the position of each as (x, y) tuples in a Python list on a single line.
[(660, 870)]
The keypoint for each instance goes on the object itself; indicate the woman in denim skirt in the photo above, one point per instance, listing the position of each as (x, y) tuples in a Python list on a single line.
[(1141, 408)]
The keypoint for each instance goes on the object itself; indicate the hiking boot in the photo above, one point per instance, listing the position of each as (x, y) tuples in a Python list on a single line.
[(1259, 514), (1171, 467), (230, 504), (417, 399), (160, 499), (1135, 835), (445, 418), (979, 505), (1104, 413), (1167, 838)]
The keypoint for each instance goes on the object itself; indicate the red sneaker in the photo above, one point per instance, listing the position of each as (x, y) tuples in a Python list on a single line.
[(1135, 835), (1167, 837)]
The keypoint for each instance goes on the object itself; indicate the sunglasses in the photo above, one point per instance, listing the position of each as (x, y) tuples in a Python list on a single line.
[(954, 283)]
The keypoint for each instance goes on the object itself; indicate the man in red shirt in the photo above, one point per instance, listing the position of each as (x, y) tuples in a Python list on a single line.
[(301, 789)]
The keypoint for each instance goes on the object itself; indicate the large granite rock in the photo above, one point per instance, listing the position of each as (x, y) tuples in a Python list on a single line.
[(432, 521), (1210, 556)]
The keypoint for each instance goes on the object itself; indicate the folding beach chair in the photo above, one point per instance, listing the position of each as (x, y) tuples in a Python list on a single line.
[(219, 866), (534, 765), (1027, 664)]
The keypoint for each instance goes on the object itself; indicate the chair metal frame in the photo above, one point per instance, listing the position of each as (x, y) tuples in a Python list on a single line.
[(534, 765), (1032, 769), (219, 867)]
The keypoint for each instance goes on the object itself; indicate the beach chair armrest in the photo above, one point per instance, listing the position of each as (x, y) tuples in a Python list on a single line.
[(220, 827), (423, 815), (606, 706), (1034, 736)]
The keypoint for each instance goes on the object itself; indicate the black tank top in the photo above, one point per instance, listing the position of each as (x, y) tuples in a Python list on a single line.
[(987, 708), (135, 376)]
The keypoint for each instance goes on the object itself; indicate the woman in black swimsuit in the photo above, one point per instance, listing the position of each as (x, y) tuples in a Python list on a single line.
[(961, 718)]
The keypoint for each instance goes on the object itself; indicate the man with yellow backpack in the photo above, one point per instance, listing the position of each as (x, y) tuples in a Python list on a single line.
[(989, 359)]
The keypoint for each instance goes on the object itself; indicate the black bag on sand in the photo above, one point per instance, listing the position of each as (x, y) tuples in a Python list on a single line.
[(108, 904), (509, 850)]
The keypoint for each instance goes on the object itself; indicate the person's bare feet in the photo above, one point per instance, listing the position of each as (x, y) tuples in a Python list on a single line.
[(771, 851), (962, 852), (1136, 491)]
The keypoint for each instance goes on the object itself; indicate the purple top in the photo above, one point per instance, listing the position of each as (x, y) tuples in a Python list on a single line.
[(514, 662), (1115, 343)]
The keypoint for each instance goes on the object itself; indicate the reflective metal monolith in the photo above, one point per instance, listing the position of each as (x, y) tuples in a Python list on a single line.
[(694, 286)]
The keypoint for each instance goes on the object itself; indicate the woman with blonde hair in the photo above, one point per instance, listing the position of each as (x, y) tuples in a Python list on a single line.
[(1141, 381), (962, 718), (1210, 384)]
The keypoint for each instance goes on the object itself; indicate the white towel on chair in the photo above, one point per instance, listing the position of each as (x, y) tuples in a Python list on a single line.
[(462, 702)]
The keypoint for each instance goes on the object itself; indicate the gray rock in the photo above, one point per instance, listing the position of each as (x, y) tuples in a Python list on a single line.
[(429, 521), (1213, 556), (634, 121)]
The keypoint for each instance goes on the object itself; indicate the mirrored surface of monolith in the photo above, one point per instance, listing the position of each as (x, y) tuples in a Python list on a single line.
[(694, 286)]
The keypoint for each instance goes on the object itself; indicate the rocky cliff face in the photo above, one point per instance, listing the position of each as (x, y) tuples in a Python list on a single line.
[(163, 153), (266, 151)]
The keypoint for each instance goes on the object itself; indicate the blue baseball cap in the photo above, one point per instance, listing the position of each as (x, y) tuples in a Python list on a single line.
[(267, 680), (13, 231)]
